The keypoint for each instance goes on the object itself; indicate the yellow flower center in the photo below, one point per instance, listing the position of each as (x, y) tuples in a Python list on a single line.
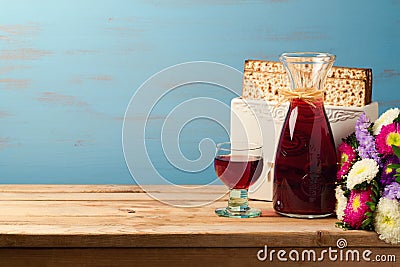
[(360, 170), (393, 139), (388, 170), (356, 203), (344, 158), (388, 220)]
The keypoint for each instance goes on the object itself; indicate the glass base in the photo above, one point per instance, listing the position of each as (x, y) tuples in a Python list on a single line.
[(238, 206), (249, 213), (304, 216)]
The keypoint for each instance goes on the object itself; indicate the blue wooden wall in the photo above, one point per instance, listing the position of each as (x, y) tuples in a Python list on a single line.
[(68, 69)]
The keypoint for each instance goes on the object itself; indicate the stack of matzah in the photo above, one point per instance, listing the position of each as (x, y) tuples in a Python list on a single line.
[(345, 87)]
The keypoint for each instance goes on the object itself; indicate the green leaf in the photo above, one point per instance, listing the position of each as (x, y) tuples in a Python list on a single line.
[(371, 205), (368, 214), (366, 222), (370, 130), (345, 226), (352, 141), (363, 186), (376, 192), (341, 225), (396, 150), (397, 119), (397, 175), (377, 187), (393, 166), (373, 198), (398, 179)]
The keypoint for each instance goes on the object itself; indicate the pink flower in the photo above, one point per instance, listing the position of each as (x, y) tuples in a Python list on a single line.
[(346, 155), (354, 213), (388, 136)]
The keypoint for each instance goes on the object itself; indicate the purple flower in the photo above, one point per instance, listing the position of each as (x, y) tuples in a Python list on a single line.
[(387, 176), (392, 191), (367, 149)]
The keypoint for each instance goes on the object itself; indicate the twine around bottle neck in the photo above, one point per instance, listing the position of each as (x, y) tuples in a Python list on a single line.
[(305, 94)]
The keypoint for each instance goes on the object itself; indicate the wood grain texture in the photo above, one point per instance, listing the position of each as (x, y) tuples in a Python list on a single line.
[(60, 99), (23, 54), (11, 84), (176, 257), (109, 225)]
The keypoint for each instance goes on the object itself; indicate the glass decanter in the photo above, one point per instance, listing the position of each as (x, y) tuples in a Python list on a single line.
[(305, 162)]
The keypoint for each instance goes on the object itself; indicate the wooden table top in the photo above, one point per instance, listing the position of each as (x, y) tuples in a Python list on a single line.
[(117, 216)]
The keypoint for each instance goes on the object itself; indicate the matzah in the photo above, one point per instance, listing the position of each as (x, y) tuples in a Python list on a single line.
[(348, 87)]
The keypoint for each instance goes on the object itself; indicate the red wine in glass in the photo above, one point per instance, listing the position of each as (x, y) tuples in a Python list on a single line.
[(238, 172), (238, 167)]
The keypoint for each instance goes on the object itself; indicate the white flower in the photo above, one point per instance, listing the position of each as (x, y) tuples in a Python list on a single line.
[(385, 119), (387, 220), (363, 170), (341, 202)]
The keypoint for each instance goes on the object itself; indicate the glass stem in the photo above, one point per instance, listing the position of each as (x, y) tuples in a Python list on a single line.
[(238, 200)]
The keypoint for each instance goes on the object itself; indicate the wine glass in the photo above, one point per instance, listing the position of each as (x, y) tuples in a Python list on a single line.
[(238, 165)]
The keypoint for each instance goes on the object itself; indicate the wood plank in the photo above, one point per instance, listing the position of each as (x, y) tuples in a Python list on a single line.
[(69, 196), (71, 188), (174, 257), (127, 237), (52, 188), (117, 196), (123, 216), (181, 196)]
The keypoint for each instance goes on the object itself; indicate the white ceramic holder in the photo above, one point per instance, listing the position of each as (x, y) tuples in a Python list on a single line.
[(261, 121)]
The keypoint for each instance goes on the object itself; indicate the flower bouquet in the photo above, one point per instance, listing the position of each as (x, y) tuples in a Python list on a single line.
[(368, 177)]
